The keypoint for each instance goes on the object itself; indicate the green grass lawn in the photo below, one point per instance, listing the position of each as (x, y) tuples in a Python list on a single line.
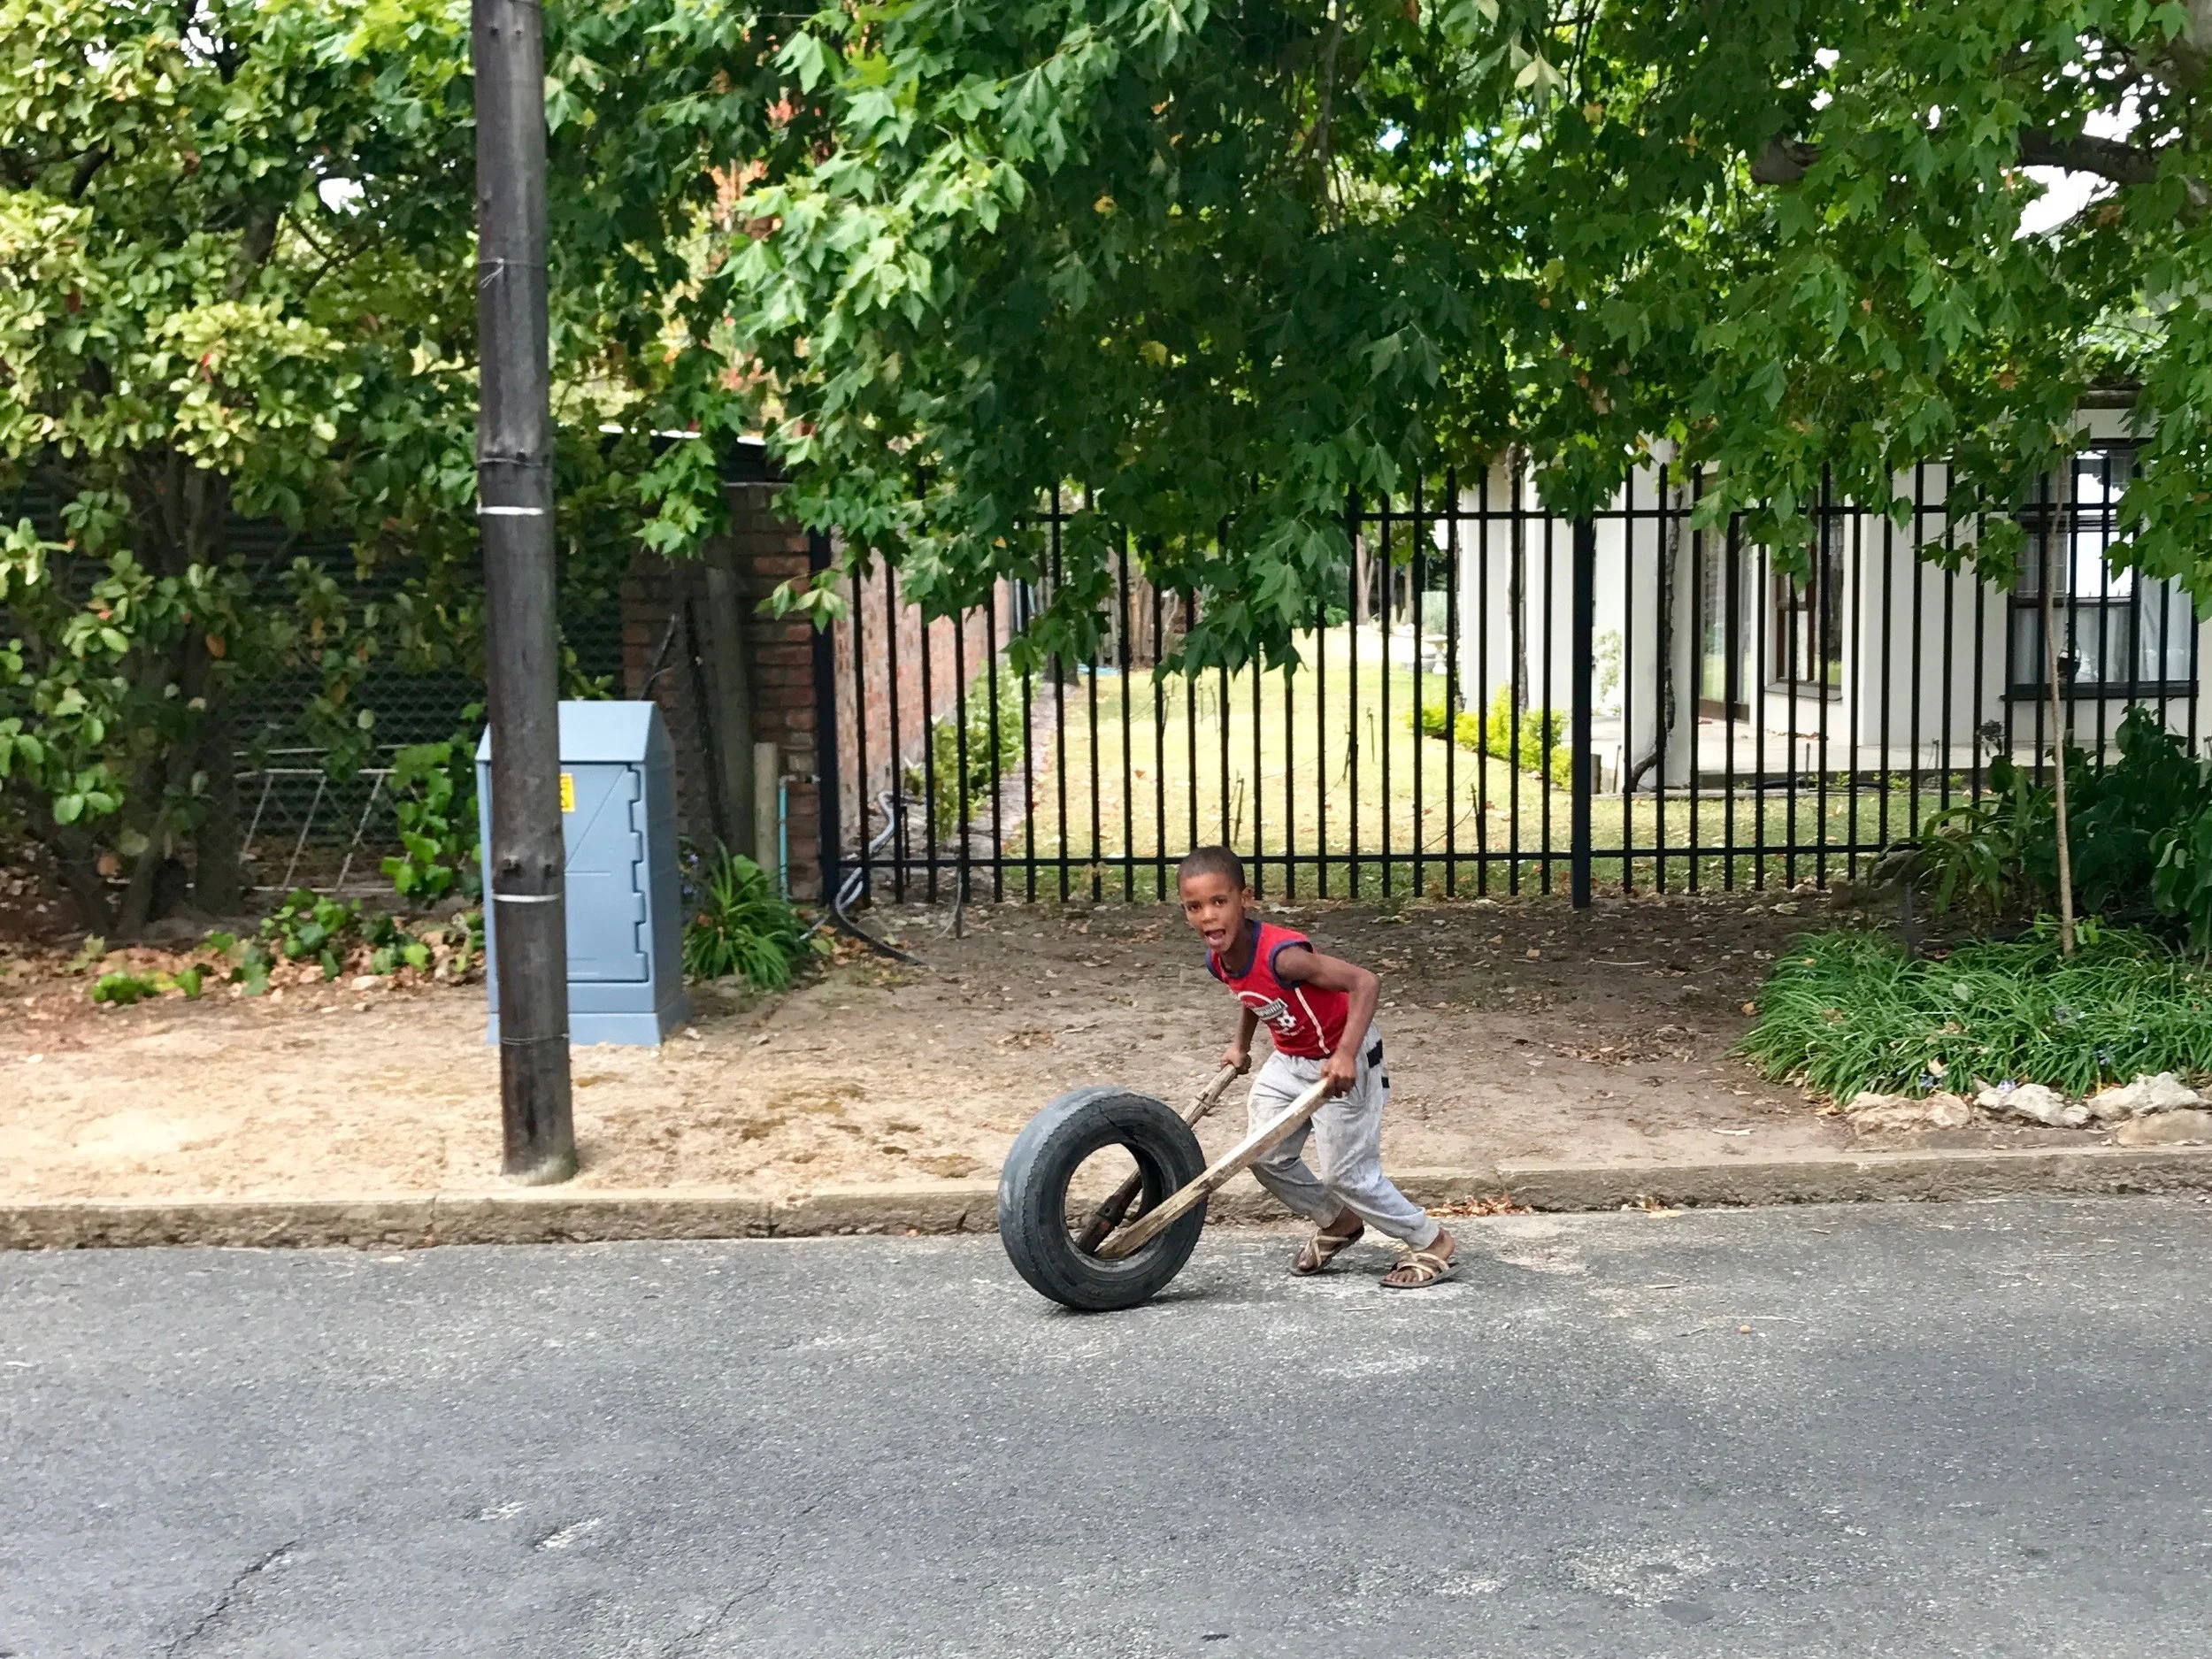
[(1324, 761)]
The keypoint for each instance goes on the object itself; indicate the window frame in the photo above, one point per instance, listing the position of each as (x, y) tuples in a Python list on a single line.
[(2053, 524), (1823, 599)]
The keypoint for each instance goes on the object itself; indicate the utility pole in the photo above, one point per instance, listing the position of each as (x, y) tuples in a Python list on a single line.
[(524, 866)]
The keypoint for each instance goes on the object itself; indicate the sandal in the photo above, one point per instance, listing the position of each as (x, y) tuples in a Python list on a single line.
[(1417, 1270), (1324, 1248)]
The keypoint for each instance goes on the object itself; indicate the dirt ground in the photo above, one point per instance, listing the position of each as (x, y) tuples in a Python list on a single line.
[(1515, 1029)]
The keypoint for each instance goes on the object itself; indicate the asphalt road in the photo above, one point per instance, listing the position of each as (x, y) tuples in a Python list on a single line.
[(1965, 1430)]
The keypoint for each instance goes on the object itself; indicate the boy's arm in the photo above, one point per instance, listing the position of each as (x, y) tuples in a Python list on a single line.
[(1239, 1053), (1302, 965)]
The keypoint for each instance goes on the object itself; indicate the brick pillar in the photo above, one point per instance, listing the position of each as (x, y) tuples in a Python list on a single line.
[(769, 550), (666, 644)]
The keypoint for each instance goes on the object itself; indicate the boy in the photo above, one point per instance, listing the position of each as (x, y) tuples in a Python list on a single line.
[(1320, 1013)]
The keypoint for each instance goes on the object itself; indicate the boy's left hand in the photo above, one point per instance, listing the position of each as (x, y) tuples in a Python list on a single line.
[(1339, 1071)]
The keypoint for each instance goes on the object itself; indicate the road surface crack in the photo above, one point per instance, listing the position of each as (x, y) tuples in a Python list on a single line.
[(691, 1640), (208, 1619)]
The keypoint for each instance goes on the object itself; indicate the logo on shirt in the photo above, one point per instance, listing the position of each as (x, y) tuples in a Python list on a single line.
[(1275, 1012)]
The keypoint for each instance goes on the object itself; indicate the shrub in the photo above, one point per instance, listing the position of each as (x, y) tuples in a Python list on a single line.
[(986, 765), (317, 934), (123, 988), (332, 933), (743, 926), (2140, 833), (1541, 747), (434, 801), (307, 927), (1847, 1010)]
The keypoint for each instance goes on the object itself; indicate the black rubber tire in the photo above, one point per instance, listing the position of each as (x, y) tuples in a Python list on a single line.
[(1033, 1196)]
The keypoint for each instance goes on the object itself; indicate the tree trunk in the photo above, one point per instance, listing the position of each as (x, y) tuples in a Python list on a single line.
[(219, 883), (181, 519), (729, 681), (142, 893), (77, 862)]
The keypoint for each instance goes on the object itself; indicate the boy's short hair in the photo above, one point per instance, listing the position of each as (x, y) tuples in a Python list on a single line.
[(1211, 861)]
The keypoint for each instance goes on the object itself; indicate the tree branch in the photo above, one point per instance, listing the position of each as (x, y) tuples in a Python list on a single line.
[(1783, 161), (1787, 160), (254, 248), (2107, 157), (88, 164)]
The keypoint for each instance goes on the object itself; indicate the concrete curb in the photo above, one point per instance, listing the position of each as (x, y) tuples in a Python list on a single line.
[(1872, 1177), (550, 1215)]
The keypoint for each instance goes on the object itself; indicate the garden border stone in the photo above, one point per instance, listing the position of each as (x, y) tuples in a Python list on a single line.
[(551, 1215)]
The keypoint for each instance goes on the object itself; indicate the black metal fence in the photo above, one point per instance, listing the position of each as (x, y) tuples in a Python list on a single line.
[(1506, 700), (307, 823)]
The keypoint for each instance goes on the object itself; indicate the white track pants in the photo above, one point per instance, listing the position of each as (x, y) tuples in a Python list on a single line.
[(1348, 1145)]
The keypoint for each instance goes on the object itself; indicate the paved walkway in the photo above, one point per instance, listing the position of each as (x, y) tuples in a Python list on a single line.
[(1965, 1430)]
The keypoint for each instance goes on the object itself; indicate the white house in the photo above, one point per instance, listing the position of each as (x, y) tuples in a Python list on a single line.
[(1877, 661)]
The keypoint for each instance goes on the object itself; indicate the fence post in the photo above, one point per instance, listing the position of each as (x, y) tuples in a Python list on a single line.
[(826, 783), (1583, 671)]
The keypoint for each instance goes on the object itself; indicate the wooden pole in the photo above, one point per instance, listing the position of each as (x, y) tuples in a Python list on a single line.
[(2058, 750), (524, 866), (1216, 1175), (1108, 1215)]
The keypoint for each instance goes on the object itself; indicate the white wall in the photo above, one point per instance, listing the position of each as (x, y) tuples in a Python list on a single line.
[(1903, 619)]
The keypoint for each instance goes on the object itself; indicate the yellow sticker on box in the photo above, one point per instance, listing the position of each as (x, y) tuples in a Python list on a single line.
[(568, 792)]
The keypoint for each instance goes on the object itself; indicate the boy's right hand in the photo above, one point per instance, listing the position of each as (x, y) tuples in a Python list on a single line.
[(1239, 1058)]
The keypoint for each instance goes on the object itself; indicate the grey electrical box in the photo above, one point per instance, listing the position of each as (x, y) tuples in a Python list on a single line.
[(626, 970)]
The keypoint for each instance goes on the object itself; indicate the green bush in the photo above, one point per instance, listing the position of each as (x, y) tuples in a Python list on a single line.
[(1543, 746), (123, 988), (308, 928), (434, 801), (984, 764), (333, 937), (1847, 1010), (743, 926), (2140, 833)]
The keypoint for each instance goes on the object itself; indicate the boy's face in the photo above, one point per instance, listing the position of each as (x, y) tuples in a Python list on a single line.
[(1215, 905)]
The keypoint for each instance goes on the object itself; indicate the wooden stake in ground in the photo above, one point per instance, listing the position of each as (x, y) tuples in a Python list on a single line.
[(524, 867), (2058, 753)]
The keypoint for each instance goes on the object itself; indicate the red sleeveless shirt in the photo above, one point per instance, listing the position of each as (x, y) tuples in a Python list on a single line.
[(1304, 1020)]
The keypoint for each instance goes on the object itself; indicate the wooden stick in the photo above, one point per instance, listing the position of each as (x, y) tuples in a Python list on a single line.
[(1237, 1158), (1108, 1215)]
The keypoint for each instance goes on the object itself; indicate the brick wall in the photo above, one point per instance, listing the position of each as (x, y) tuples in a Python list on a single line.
[(667, 651), (666, 644)]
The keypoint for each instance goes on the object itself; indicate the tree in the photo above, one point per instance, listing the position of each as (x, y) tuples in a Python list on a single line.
[(230, 252), (237, 254), (1224, 263)]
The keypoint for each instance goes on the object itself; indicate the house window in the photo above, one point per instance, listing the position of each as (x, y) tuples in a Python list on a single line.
[(2120, 634), (1808, 640)]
